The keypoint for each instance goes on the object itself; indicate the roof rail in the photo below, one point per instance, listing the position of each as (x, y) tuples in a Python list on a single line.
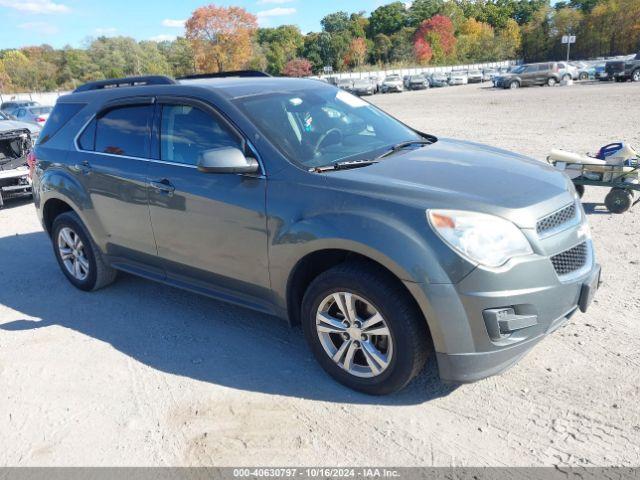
[(237, 73), (126, 82)]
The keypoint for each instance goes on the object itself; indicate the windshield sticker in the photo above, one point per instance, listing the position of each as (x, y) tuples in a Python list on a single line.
[(308, 121)]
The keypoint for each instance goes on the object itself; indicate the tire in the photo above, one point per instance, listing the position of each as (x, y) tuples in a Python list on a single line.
[(552, 82), (374, 290), (513, 85), (94, 272), (579, 190), (635, 76), (583, 76), (618, 200)]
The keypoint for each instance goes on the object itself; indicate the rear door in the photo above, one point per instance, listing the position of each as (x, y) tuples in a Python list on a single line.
[(112, 160), (210, 228)]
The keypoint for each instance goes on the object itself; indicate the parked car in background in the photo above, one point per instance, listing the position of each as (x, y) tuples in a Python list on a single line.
[(488, 74), (363, 86), (37, 115), (12, 105), (418, 82), (344, 84), (586, 70), (546, 73), (458, 77), (601, 72), (438, 79), (392, 83), (567, 71), (16, 142), (475, 76), (377, 82), (623, 70)]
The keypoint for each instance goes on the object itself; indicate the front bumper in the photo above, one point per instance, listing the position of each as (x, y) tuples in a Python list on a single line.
[(466, 344)]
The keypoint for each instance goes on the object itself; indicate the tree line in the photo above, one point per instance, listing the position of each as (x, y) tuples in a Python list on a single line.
[(428, 32)]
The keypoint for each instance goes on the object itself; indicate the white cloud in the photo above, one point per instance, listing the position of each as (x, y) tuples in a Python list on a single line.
[(277, 2), (168, 22), (163, 38), (276, 12), (35, 6), (41, 28), (105, 31)]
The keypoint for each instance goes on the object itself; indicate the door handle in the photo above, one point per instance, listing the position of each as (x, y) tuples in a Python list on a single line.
[(163, 186), (84, 167)]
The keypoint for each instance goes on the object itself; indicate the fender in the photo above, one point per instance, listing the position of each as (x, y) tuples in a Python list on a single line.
[(388, 240), (56, 183)]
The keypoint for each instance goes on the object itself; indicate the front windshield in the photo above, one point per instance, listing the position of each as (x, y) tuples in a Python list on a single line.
[(316, 127), (518, 69)]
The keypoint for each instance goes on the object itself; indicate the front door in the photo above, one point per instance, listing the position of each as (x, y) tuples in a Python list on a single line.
[(210, 229)]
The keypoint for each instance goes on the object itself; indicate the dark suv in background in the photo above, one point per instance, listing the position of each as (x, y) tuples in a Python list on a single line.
[(547, 73), (623, 70), (300, 200)]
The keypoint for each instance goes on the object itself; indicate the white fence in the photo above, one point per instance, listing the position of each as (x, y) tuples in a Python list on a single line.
[(45, 98), (418, 70)]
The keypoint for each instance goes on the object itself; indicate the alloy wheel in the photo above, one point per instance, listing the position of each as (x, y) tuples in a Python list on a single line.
[(354, 334), (636, 76), (72, 254)]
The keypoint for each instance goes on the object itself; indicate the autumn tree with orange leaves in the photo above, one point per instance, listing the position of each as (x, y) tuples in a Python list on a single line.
[(221, 37)]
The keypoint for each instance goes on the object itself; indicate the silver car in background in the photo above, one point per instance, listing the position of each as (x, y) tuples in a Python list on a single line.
[(38, 114), (363, 86), (392, 83), (458, 77)]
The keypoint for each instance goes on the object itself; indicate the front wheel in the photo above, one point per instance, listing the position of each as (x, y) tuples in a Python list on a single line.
[(79, 257), (364, 328), (635, 76), (583, 76), (514, 85)]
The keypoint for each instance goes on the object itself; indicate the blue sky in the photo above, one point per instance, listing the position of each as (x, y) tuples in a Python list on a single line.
[(61, 22)]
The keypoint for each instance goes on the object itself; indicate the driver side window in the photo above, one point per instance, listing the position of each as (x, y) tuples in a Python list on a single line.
[(187, 131)]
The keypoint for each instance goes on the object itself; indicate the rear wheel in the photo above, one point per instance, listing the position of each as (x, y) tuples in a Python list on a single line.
[(551, 81), (635, 76), (78, 256), (364, 329), (583, 76), (618, 200)]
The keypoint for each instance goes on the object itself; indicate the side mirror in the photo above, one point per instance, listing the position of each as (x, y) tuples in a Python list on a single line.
[(226, 160)]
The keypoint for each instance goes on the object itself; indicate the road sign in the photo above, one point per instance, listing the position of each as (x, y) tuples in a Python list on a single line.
[(328, 69), (568, 39)]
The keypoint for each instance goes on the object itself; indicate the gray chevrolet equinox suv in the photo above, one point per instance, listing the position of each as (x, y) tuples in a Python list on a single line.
[(390, 247)]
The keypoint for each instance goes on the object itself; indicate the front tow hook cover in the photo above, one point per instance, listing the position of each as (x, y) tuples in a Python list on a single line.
[(503, 321)]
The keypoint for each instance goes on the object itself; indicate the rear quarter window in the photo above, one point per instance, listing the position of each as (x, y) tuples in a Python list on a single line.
[(59, 117)]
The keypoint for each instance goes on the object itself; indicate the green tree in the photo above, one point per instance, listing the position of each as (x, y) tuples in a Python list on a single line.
[(421, 10), (381, 48), (388, 19), (279, 46)]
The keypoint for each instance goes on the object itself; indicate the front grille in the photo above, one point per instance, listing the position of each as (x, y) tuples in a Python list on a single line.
[(555, 220), (571, 260)]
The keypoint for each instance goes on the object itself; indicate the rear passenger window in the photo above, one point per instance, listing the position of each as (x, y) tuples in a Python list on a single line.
[(87, 140), (186, 131), (125, 131)]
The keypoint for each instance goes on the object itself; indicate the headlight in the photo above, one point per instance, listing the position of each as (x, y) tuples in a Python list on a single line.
[(481, 238)]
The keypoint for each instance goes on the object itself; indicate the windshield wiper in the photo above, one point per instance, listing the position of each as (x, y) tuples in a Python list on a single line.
[(402, 146), (342, 166)]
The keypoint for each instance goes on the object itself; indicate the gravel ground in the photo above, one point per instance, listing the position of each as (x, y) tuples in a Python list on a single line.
[(142, 374)]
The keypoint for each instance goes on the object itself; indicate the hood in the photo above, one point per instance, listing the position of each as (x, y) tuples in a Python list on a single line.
[(8, 125), (467, 176)]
